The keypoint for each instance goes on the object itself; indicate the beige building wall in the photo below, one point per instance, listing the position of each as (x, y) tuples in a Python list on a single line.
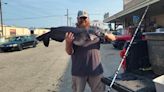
[(125, 2), (40, 31), (9, 31), (132, 3), (159, 19)]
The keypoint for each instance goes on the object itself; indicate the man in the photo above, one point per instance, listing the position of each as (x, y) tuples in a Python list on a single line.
[(86, 65)]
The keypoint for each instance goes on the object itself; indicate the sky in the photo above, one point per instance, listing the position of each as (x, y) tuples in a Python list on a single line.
[(52, 13)]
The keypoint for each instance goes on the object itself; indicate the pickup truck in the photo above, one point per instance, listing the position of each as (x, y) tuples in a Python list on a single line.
[(138, 75)]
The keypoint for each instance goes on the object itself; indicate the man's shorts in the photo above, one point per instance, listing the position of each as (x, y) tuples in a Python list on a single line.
[(79, 83)]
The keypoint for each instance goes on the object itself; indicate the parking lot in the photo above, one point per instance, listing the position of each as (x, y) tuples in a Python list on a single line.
[(44, 69)]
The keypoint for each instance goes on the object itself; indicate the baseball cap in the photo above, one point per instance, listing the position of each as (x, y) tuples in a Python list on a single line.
[(82, 13)]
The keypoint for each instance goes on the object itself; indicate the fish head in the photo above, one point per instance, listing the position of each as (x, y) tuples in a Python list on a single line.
[(81, 38)]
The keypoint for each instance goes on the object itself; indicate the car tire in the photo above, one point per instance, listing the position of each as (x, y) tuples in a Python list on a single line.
[(34, 45), (2, 50), (114, 46), (120, 47), (20, 48)]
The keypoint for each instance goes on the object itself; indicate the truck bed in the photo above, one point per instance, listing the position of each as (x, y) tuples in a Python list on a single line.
[(138, 81)]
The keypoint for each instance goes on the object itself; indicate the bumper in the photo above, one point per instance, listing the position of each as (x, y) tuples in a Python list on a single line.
[(8, 48), (118, 44)]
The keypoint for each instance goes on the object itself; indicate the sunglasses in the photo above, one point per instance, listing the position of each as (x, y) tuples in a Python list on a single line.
[(83, 18)]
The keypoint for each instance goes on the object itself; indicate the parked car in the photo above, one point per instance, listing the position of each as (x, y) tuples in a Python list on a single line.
[(116, 33), (19, 43), (121, 39)]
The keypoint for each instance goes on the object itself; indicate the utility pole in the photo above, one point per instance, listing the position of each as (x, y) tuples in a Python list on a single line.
[(70, 19), (1, 17), (67, 16)]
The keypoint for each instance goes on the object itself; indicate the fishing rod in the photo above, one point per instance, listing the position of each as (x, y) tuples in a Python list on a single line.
[(125, 55)]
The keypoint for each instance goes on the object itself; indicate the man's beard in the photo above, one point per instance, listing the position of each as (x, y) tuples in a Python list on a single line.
[(84, 24)]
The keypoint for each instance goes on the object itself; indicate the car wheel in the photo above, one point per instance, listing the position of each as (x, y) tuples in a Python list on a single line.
[(20, 48), (120, 47), (34, 45), (114, 46)]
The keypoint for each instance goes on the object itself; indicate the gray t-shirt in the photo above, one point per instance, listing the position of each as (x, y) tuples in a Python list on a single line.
[(86, 60)]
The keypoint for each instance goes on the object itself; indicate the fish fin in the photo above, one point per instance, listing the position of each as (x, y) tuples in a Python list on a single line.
[(46, 40)]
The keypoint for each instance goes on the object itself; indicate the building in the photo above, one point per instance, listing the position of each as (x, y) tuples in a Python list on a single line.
[(100, 24), (9, 31), (133, 11)]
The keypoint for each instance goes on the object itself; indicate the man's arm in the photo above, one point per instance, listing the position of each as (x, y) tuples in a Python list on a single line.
[(69, 39), (110, 37), (107, 36)]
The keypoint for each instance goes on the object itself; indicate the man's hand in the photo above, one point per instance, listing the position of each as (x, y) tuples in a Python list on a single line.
[(110, 36), (69, 39)]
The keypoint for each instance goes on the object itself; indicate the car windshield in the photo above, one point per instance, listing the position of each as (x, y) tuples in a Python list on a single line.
[(15, 39)]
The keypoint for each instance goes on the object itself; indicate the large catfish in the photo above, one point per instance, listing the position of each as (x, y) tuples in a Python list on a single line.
[(83, 37)]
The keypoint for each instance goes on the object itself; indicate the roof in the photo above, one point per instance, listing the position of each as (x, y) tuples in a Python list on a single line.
[(130, 10)]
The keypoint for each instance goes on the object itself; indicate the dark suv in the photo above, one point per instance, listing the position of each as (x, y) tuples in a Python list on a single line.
[(120, 41), (18, 43)]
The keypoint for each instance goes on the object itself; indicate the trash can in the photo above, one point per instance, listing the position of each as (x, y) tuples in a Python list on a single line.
[(156, 51)]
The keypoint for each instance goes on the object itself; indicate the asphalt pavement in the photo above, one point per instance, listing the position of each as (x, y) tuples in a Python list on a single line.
[(43, 69)]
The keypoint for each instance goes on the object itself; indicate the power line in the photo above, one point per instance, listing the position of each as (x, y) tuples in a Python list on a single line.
[(29, 18), (41, 17), (33, 8), (25, 7)]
